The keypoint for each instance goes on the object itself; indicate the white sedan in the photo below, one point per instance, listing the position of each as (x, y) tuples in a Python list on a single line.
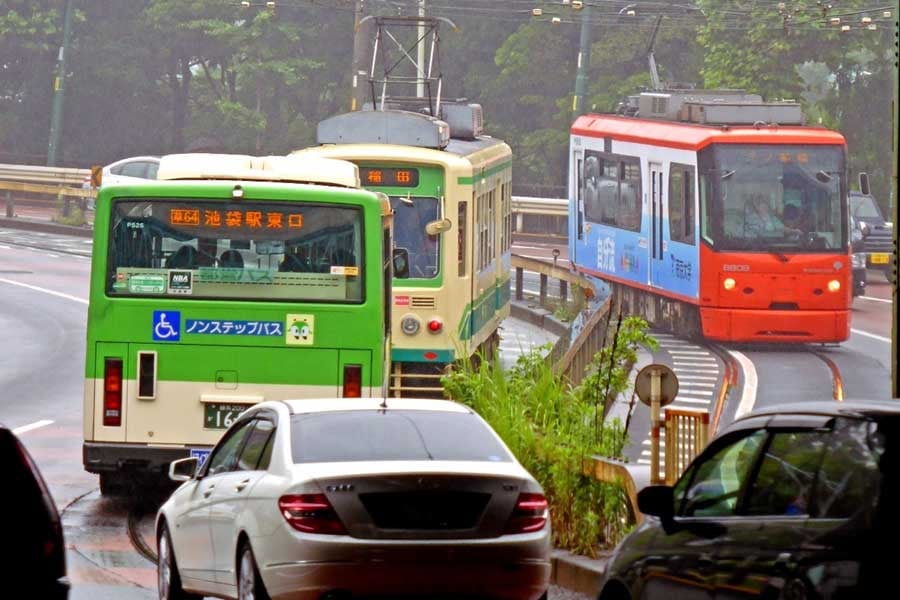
[(316, 499)]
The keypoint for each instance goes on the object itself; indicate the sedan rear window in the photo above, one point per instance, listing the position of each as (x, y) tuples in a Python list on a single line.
[(393, 435)]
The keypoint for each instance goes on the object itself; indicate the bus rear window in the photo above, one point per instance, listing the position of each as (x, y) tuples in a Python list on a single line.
[(247, 251)]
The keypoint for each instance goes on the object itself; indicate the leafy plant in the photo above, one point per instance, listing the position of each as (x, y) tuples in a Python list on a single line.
[(553, 428)]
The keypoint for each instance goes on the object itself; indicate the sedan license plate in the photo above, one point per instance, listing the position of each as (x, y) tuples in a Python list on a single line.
[(221, 416), (880, 258)]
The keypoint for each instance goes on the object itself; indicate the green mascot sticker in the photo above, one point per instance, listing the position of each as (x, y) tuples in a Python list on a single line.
[(300, 330)]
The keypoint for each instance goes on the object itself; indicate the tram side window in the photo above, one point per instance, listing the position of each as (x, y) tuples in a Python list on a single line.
[(612, 191), (681, 203), (461, 240)]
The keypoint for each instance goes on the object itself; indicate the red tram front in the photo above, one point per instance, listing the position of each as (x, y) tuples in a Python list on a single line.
[(734, 228)]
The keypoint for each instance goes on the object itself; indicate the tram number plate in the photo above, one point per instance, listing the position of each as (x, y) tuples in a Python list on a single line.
[(880, 258), (221, 416)]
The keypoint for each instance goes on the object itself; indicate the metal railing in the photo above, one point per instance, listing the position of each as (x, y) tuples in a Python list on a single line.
[(542, 216), (687, 431)]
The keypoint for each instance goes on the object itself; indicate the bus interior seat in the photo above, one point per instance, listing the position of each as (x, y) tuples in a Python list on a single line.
[(184, 258), (231, 259)]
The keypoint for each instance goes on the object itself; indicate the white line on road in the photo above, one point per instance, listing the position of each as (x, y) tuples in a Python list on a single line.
[(31, 427), (5, 247), (44, 290), (696, 377), (872, 335), (680, 370), (871, 299), (53, 255), (751, 382)]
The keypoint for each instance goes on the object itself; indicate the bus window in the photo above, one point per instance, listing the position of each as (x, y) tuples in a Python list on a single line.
[(251, 251)]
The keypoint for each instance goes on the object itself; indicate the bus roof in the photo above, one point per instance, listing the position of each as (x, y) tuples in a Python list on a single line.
[(688, 136), (293, 169)]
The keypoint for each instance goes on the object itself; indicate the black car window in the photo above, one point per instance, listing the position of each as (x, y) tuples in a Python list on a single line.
[(224, 455), (849, 478), (786, 474), (253, 450), (713, 486), (393, 435)]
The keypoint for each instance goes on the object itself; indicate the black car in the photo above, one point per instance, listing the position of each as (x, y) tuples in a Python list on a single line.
[(879, 233), (33, 551), (793, 501)]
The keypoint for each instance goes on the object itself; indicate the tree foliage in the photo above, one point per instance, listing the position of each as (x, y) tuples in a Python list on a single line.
[(151, 76)]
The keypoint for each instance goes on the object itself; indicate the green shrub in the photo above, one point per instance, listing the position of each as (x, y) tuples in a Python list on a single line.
[(552, 428)]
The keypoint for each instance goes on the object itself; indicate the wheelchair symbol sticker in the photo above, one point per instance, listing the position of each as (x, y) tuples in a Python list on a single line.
[(166, 325)]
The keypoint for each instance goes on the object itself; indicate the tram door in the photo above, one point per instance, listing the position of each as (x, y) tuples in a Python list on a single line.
[(657, 240)]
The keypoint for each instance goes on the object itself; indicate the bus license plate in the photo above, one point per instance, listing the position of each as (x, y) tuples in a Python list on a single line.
[(221, 416), (880, 258)]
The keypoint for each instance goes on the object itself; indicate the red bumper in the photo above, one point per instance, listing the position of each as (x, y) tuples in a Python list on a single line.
[(797, 326)]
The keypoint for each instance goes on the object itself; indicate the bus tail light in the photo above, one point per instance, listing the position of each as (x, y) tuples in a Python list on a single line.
[(352, 381), (112, 392), (530, 514), (310, 513)]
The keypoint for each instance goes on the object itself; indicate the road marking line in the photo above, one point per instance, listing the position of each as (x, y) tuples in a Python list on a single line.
[(44, 290), (870, 298), (872, 335), (5, 247), (751, 382), (695, 377), (688, 353), (53, 255), (31, 427), (680, 370), (692, 390), (680, 398)]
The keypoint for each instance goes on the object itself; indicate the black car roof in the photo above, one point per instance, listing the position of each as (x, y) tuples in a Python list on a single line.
[(859, 408)]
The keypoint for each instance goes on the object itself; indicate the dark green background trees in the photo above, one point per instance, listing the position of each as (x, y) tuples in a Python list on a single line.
[(151, 76)]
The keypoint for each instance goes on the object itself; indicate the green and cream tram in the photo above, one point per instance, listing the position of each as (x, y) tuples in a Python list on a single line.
[(451, 188)]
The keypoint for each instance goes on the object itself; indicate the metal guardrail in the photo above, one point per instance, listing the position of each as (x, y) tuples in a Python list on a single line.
[(529, 205), (43, 175)]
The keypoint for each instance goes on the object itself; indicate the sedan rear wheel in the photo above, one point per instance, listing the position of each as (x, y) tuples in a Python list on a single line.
[(250, 585), (167, 570)]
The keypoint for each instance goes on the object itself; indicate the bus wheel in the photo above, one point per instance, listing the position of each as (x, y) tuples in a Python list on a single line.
[(112, 484)]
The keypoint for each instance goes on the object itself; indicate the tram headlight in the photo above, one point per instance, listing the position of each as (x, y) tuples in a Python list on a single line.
[(834, 285), (409, 325), (729, 283)]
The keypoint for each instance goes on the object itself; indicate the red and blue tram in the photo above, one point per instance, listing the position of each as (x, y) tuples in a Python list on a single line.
[(729, 228)]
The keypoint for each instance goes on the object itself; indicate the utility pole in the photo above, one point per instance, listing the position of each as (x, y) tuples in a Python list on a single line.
[(420, 58), (895, 355), (59, 89), (361, 36), (584, 61)]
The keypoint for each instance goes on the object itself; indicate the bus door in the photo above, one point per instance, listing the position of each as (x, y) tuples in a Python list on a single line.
[(657, 240)]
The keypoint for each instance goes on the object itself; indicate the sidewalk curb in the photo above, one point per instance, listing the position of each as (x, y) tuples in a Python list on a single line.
[(578, 573), (45, 227)]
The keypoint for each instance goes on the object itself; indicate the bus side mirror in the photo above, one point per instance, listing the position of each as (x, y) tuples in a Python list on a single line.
[(183, 469), (864, 184), (400, 259), (437, 227)]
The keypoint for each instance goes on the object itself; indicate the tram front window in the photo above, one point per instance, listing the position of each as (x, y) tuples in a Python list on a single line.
[(783, 198), (410, 217)]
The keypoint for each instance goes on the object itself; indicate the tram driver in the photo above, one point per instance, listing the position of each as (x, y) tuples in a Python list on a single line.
[(761, 220)]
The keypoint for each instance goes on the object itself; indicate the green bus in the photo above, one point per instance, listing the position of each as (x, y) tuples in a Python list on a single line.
[(228, 281)]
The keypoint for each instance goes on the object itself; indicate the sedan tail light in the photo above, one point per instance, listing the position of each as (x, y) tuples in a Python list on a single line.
[(530, 514), (310, 513)]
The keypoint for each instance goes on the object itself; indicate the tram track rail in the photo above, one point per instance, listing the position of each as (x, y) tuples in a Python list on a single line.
[(133, 528), (837, 382)]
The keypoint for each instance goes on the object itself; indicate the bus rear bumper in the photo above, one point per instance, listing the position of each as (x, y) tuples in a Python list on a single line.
[(104, 457), (797, 326)]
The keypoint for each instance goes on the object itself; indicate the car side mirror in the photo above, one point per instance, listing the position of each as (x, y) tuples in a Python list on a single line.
[(400, 259), (864, 184), (183, 469), (657, 500)]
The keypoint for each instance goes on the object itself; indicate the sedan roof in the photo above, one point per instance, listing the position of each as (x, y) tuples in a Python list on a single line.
[(344, 404)]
